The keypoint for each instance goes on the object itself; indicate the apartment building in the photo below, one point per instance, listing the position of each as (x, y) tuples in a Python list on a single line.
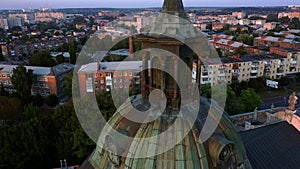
[(47, 80), (270, 41), (237, 69), (104, 76), (226, 46)]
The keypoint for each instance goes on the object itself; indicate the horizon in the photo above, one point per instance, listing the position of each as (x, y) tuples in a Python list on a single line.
[(119, 4)]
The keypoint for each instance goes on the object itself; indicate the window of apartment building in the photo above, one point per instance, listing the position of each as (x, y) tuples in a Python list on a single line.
[(96, 82), (120, 74), (102, 87), (97, 88), (108, 74), (120, 80), (89, 85), (125, 74), (244, 69), (102, 81), (130, 74), (101, 75), (115, 80), (137, 82), (121, 86), (8, 75), (243, 75)]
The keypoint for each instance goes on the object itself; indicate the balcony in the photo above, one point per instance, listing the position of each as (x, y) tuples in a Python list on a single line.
[(254, 65), (254, 70), (253, 77)]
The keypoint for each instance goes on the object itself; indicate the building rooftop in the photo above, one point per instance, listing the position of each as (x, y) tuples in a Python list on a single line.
[(273, 146), (42, 71), (112, 66)]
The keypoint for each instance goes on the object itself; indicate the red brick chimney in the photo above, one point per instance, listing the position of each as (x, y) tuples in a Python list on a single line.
[(130, 46)]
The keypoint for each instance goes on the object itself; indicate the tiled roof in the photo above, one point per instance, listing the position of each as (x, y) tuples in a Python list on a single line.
[(275, 146)]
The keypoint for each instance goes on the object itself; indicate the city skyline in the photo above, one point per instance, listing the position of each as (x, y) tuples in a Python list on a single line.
[(20, 4)]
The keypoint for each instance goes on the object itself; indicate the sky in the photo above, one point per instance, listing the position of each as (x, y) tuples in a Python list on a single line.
[(19, 4)]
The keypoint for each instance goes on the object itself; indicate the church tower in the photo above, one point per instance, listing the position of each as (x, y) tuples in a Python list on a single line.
[(171, 45)]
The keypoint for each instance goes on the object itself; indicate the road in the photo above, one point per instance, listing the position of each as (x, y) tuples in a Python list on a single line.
[(281, 101)]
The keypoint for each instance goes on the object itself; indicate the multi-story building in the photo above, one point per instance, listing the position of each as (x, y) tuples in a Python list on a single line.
[(48, 16), (239, 69), (17, 21), (4, 24), (239, 15), (226, 46), (28, 17), (47, 80), (291, 15), (104, 76), (269, 41)]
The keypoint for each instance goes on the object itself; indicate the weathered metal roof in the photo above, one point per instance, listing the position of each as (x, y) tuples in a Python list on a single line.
[(274, 146)]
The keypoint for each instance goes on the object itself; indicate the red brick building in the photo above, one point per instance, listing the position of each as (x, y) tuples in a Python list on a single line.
[(47, 80), (104, 76)]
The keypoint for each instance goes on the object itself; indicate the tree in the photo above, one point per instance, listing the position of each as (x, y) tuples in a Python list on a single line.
[(295, 23), (272, 18), (284, 81), (41, 58), (232, 102), (209, 26), (52, 100), (284, 20), (250, 100), (22, 81), (257, 83), (1, 55), (71, 140), (247, 39), (60, 59), (72, 51), (37, 100), (3, 92), (205, 90), (241, 51)]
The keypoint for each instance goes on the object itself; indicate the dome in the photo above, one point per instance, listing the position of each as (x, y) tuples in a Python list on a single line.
[(223, 149)]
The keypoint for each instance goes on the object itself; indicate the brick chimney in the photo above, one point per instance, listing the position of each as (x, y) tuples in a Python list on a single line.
[(130, 45)]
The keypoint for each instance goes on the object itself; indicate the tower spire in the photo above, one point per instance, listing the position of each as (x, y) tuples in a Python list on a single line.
[(173, 6)]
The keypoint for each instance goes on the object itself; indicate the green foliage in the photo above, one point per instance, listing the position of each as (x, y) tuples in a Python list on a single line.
[(41, 58), (241, 51), (3, 92), (284, 20), (249, 100), (295, 23), (9, 107), (257, 83), (72, 51), (52, 100), (22, 80), (60, 59), (27, 145), (232, 102), (1, 55), (272, 18), (205, 90), (209, 26), (284, 81), (245, 38), (71, 142), (37, 100)]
